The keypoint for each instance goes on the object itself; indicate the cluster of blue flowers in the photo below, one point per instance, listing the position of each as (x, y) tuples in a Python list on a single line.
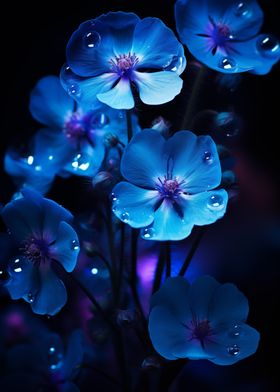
[(161, 183)]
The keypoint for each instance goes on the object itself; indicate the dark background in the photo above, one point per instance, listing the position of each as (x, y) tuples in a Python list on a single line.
[(33, 45)]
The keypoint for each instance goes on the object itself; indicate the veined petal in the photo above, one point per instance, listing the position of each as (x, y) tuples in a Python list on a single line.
[(84, 90), (119, 97), (194, 160), (66, 248), (156, 88), (226, 348), (169, 224), (49, 104), (155, 45), (51, 296), (134, 205), (97, 41), (134, 165)]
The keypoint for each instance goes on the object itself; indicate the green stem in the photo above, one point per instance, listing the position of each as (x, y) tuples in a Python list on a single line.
[(193, 100), (192, 251), (129, 125)]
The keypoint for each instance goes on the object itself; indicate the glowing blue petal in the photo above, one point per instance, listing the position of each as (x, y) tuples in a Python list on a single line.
[(156, 88), (119, 97), (228, 304), (51, 296), (84, 90), (134, 205), (98, 41), (23, 277), (174, 295), (168, 224), (74, 355), (155, 45), (167, 333), (66, 248), (200, 293), (134, 165), (226, 348), (194, 160), (49, 104)]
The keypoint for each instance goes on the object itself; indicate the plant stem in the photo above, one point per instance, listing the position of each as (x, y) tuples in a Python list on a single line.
[(192, 251), (133, 276), (129, 125), (159, 268), (193, 100), (167, 259)]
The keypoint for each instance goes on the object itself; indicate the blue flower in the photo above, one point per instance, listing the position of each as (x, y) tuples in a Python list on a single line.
[(170, 182), (113, 53), (224, 35), (43, 235), (205, 320), (75, 138)]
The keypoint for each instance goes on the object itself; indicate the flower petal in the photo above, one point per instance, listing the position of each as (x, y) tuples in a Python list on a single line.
[(97, 41), (156, 88), (74, 355), (174, 295), (84, 90), (168, 224), (66, 248), (155, 45), (194, 160), (134, 205), (49, 104), (24, 277), (51, 296), (228, 304), (170, 338), (119, 97), (136, 168), (226, 348)]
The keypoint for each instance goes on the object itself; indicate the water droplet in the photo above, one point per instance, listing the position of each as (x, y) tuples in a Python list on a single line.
[(55, 358), (176, 64), (227, 63), (74, 90), (208, 157), (233, 350), (30, 160), (81, 162), (92, 39), (114, 197), (17, 265), (268, 45), (243, 10), (4, 275), (148, 232), (121, 114), (94, 271), (75, 245), (30, 297), (124, 216), (215, 202), (100, 120), (235, 331)]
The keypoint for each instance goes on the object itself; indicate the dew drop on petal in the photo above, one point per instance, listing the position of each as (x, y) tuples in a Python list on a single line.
[(81, 162), (16, 265), (75, 245), (235, 331), (227, 63), (55, 357), (215, 202), (114, 197), (208, 157), (233, 350), (30, 297), (92, 39), (124, 216), (243, 10), (100, 120), (94, 271), (268, 45), (148, 233), (74, 91)]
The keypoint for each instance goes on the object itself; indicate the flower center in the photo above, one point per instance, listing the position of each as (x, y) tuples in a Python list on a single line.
[(169, 188), (75, 127), (124, 63), (201, 329), (221, 35), (36, 250)]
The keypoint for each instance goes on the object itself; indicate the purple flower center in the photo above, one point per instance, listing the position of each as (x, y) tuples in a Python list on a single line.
[(201, 330), (169, 187), (218, 36), (36, 250), (124, 64)]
